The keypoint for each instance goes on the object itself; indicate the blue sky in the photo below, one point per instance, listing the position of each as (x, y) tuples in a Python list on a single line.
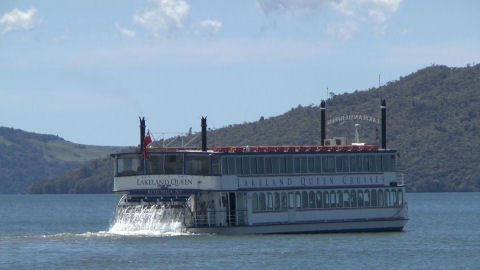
[(85, 70)]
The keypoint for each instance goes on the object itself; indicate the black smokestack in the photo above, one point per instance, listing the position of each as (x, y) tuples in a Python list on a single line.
[(322, 122), (383, 107), (142, 132), (204, 134)]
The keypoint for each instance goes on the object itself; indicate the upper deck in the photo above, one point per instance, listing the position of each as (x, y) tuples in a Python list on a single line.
[(257, 160)]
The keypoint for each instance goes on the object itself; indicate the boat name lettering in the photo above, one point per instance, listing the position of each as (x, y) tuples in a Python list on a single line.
[(353, 117), (163, 182), (311, 181)]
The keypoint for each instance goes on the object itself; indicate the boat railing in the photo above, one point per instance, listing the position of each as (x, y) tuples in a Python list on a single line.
[(400, 178), (212, 218)]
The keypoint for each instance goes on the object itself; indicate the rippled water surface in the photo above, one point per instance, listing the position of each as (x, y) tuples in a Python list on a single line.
[(78, 232)]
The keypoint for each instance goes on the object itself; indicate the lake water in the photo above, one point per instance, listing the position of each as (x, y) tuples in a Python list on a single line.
[(74, 232)]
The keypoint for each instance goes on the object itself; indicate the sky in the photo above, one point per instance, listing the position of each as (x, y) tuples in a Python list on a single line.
[(86, 70)]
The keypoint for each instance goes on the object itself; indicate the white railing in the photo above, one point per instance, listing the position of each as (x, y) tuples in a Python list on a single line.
[(400, 178), (212, 218)]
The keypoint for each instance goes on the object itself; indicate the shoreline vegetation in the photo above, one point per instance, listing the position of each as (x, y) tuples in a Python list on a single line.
[(432, 120)]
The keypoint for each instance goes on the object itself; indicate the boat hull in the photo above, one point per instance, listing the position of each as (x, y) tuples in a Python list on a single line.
[(379, 225)]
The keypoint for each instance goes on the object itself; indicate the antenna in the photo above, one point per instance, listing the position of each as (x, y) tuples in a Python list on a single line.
[(379, 84), (357, 136)]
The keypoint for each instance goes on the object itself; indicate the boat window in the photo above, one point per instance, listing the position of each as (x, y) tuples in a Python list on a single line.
[(224, 166), (326, 199), (331, 164), (311, 199), (269, 201), (282, 165), (380, 198), (296, 164), (275, 165), (365, 163), (324, 164), (371, 163), (291, 200), (366, 197), (268, 165), (388, 162), (304, 199), (245, 165), (378, 162), (342, 163), (231, 165), (262, 202), (359, 162), (318, 164), (333, 199), (238, 166), (174, 163), (253, 165), (276, 201), (154, 163), (339, 198), (197, 164), (319, 199), (353, 164), (311, 164), (374, 198), (394, 197), (346, 199), (360, 198), (129, 165), (303, 164), (388, 198), (283, 201), (289, 164), (298, 199), (400, 197), (260, 165), (255, 202), (353, 198), (215, 165)]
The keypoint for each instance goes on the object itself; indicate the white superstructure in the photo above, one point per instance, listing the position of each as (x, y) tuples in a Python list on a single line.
[(268, 189)]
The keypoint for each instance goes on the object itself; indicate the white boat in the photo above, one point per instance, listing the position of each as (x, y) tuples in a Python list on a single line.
[(269, 189)]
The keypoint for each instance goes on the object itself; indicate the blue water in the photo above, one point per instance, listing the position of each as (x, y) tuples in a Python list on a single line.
[(71, 232)]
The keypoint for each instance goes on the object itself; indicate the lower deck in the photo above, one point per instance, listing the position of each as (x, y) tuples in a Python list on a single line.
[(327, 226), (286, 211)]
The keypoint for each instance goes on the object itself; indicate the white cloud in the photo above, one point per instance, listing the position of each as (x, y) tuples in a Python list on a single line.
[(210, 26), (162, 16), (294, 7), (378, 11), (17, 20), (353, 13), (344, 30), (124, 31)]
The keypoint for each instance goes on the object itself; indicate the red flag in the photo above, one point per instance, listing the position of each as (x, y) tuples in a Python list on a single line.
[(146, 141)]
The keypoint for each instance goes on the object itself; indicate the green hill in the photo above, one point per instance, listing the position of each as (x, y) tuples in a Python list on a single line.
[(433, 120), (27, 157)]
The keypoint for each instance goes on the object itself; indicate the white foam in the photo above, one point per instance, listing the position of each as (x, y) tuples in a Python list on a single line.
[(148, 221)]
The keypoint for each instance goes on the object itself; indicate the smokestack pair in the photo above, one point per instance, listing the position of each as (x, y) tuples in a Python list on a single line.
[(383, 120)]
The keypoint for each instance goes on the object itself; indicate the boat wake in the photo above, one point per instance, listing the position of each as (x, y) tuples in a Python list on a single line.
[(151, 220), (144, 221)]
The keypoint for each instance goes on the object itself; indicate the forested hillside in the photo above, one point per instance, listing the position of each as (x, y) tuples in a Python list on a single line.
[(433, 120), (27, 157)]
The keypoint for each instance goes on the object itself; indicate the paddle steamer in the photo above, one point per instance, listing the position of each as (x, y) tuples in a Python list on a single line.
[(333, 187)]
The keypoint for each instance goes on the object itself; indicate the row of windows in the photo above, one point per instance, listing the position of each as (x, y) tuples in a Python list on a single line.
[(307, 164), (168, 163), (315, 199), (202, 164)]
